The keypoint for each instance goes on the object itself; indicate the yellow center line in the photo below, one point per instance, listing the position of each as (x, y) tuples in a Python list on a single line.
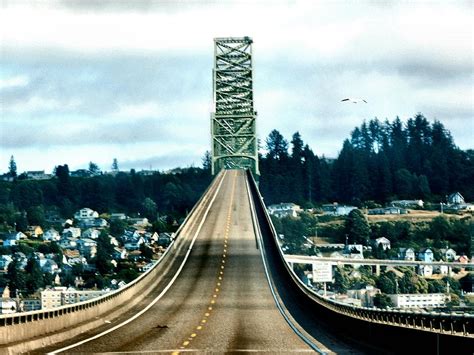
[(221, 272)]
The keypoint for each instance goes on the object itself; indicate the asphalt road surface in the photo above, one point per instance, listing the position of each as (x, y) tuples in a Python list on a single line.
[(221, 301)]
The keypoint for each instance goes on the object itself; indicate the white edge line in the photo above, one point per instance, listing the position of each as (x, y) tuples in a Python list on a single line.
[(162, 292), (262, 253)]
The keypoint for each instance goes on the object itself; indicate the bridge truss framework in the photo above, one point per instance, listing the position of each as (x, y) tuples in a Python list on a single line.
[(233, 128)]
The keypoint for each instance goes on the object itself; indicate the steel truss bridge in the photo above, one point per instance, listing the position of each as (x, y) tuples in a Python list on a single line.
[(234, 142), (223, 285)]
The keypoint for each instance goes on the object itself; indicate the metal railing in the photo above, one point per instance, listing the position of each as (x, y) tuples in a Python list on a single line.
[(441, 323)]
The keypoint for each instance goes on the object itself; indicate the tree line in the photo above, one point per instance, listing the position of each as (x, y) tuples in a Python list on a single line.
[(381, 161), (30, 202)]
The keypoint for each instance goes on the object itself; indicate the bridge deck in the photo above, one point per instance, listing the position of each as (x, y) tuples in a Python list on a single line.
[(221, 300)]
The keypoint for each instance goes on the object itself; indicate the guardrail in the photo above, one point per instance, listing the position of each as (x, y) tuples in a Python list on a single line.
[(306, 259), (460, 325), (45, 327)]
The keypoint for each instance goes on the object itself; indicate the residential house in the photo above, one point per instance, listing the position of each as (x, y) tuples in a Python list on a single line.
[(284, 210), (425, 270), (354, 251), (68, 243), (15, 236), (10, 242), (50, 266), (7, 304), (120, 253), (91, 233), (87, 247), (86, 213), (164, 239), (426, 255), (448, 254), (51, 235), (73, 232), (406, 254), (395, 210), (442, 269), (34, 231), (365, 295), (118, 216), (455, 199), (37, 175), (336, 210), (384, 242), (134, 244), (408, 203), (5, 260)]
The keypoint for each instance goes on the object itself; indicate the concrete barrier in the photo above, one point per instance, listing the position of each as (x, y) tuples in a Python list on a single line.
[(27, 331)]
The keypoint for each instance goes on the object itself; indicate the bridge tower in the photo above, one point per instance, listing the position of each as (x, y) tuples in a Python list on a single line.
[(233, 131)]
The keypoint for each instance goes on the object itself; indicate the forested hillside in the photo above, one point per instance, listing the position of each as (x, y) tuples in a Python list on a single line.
[(171, 194), (381, 161)]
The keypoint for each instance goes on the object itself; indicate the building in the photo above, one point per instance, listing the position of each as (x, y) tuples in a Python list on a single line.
[(60, 296), (419, 300), (34, 231), (365, 295), (51, 235), (30, 304), (384, 242), (425, 270), (406, 254), (448, 254), (455, 199), (7, 304), (37, 175), (86, 213), (426, 255), (408, 203), (284, 210), (335, 210)]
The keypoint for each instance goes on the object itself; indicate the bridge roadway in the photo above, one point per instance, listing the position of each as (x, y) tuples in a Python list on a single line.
[(221, 300)]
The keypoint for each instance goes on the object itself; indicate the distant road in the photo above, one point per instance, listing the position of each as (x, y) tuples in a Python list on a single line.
[(304, 259)]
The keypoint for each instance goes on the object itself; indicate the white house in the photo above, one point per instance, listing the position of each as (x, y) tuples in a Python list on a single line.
[(86, 213), (73, 232), (455, 199), (425, 270), (337, 210), (426, 255), (448, 254), (384, 242), (52, 235), (5, 260), (91, 233), (15, 236), (406, 254), (284, 210)]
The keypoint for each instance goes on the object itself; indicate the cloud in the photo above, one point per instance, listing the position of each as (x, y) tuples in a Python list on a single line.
[(138, 74)]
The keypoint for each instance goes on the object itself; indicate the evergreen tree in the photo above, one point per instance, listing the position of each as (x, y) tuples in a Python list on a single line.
[(115, 166), (12, 167), (34, 278), (357, 227), (16, 278)]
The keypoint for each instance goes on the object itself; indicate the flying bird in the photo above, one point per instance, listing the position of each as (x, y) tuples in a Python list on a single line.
[(355, 101)]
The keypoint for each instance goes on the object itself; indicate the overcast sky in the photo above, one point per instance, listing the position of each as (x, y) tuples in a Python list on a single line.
[(91, 80)]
